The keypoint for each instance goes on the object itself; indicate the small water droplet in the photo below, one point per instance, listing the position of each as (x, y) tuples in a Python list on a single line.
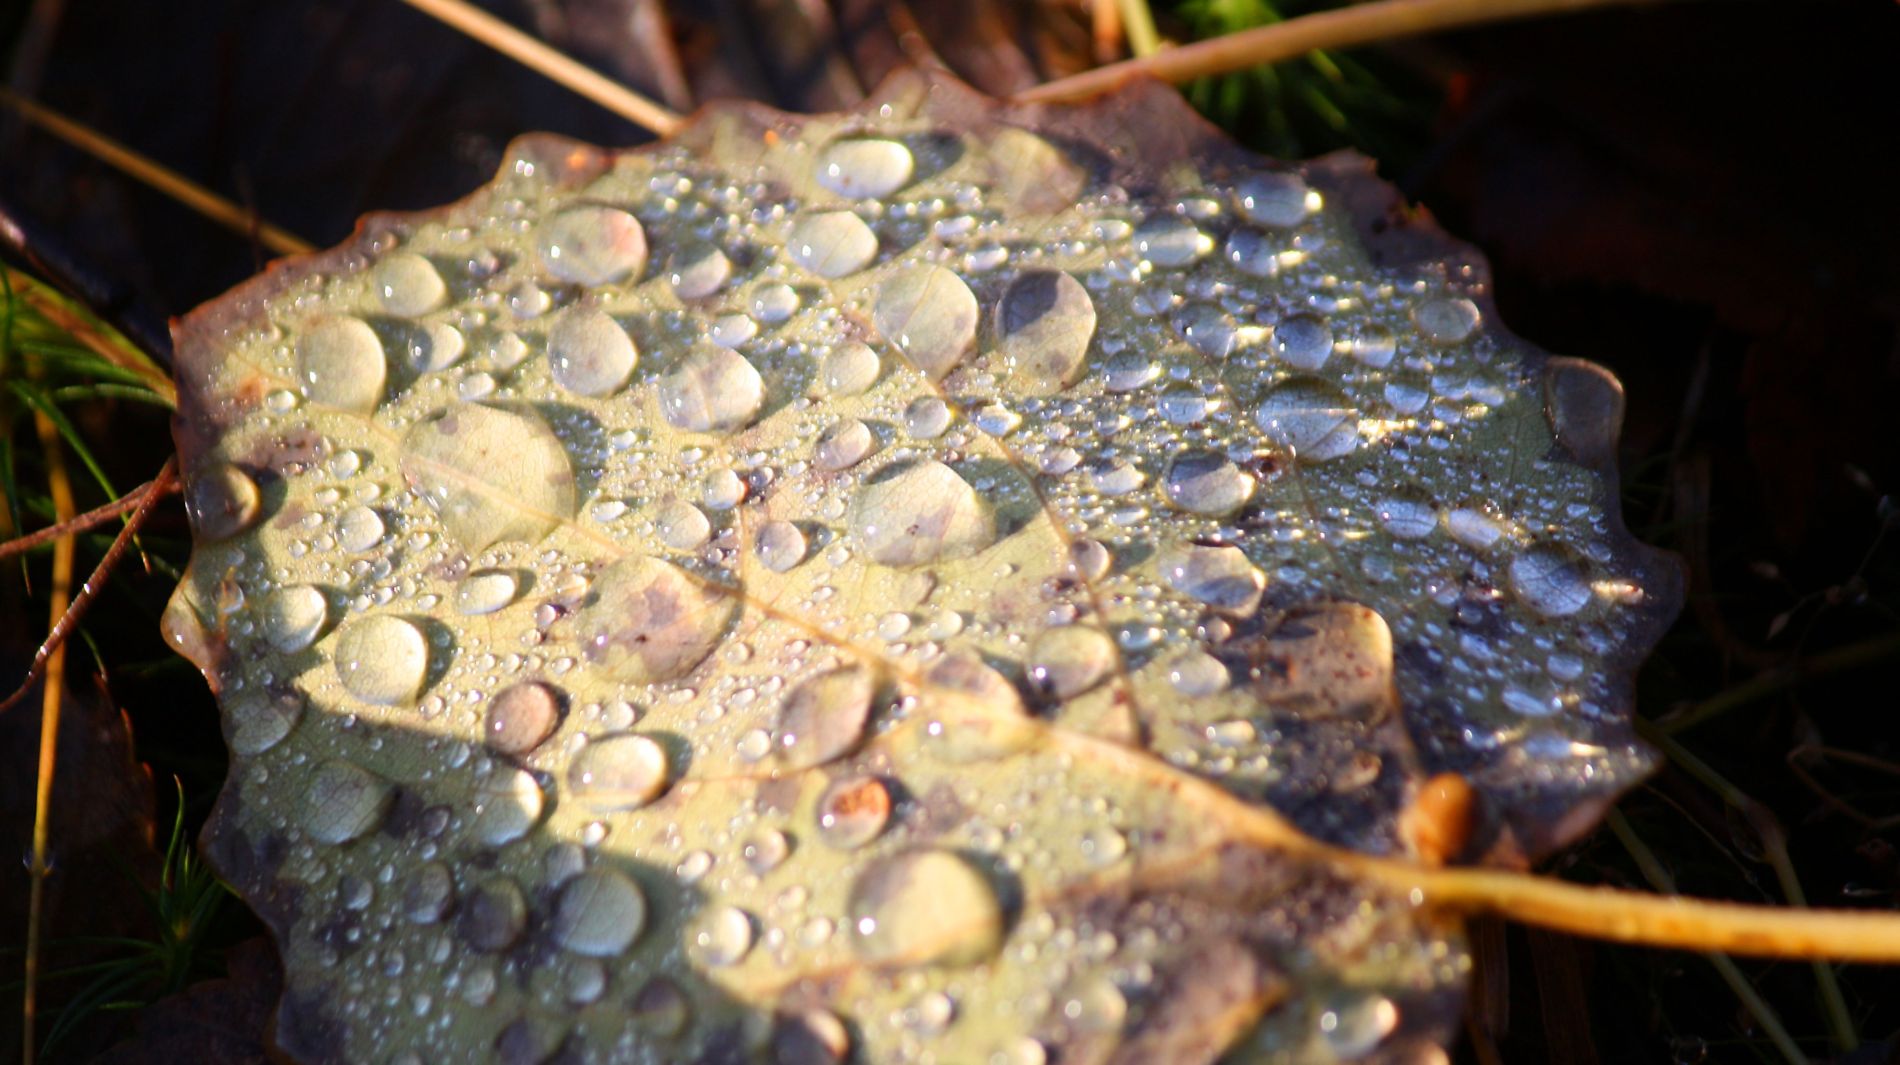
[(1198, 673), (427, 894), (1088, 559), (1408, 514)]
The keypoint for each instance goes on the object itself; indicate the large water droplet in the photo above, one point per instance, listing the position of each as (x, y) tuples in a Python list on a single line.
[(780, 545), (222, 501), (1446, 321), (852, 812), (490, 474), (506, 805), (649, 622), (719, 936), (485, 591), (427, 895), (844, 445), (850, 369), (593, 245), (382, 659), (260, 721), (1551, 579), (358, 529), (711, 390), (521, 717), (924, 513), (408, 285), (1067, 661), (925, 907), (1313, 418), (1205, 482), (588, 353), (494, 915), (831, 244), (599, 913), (682, 526), (867, 168), (622, 772), (1272, 199), (700, 272), (929, 314), (824, 718), (1222, 577), (1303, 340), (1408, 514), (1045, 323), (1167, 240), (294, 616), (813, 1037), (1208, 328), (342, 364), (343, 801)]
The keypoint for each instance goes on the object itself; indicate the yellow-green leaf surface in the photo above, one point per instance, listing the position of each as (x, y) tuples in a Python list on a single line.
[(899, 586)]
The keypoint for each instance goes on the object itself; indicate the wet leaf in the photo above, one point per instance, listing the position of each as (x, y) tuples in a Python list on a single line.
[(926, 628)]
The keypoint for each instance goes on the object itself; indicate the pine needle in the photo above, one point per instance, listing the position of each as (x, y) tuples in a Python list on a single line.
[(552, 64), (1380, 20), (157, 175)]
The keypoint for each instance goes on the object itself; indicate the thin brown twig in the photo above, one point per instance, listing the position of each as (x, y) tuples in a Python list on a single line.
[(59, 597), (89, 520), (552, 64), (158, 176), (69, 619), (1380, 20)]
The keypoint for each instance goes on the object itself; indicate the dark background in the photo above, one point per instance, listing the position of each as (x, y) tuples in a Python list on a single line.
[(1700, 196)]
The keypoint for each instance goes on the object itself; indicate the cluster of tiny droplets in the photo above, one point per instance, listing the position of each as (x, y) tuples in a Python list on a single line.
[(589, 559)]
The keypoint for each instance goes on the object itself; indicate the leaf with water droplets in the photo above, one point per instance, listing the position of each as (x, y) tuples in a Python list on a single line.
[(916, 584)]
